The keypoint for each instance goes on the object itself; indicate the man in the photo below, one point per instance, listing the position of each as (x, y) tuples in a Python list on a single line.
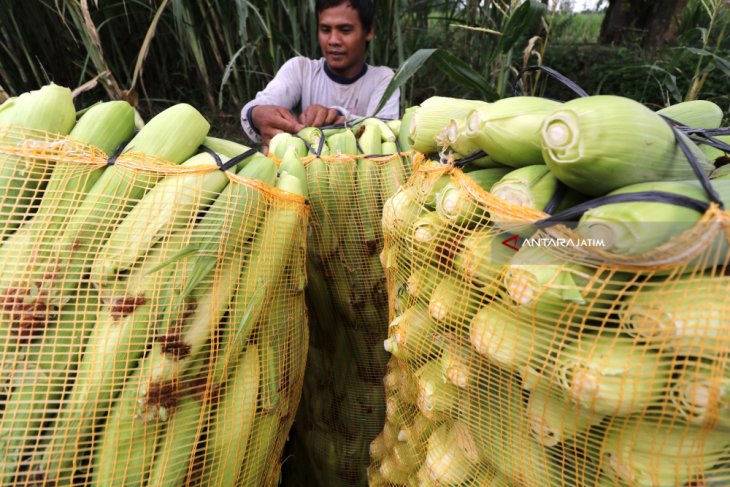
[(329, 90)]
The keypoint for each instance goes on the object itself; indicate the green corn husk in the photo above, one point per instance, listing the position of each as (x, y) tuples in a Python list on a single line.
[(173, 136), (645, 454), (531, 187), (105, 126), (452, 456), (722, 172), (171, 205), (512, 341), (454, 203), (400, 211), (381, 128), (541, 283), (482, 257), (453, 302), (612, 374), (313, 137), (668, 315), (49, 109), (411, 335), (325, 239), (437, 397), (597, 144), (226, 147), (634, 228), (433, 115), (421, 282), (458, 363), (495, 415), (701, 395), (39, 382), (343, 143), (292, 164), (554, 418), (388, 148), (508, 129), (455, 138), (280, 142), (701, 114), (229, 433), (404, 133), (258, 464), (394, 126)]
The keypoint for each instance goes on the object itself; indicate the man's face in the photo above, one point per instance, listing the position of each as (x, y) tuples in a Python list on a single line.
[(343, 39)]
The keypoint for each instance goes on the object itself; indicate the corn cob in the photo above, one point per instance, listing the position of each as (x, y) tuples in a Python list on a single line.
[(482, 257), (508, 129), (452, 455), (597, 144), (326, 238), (411, 335), (49, 109), (462, 145), (258, 461), (455, 204)]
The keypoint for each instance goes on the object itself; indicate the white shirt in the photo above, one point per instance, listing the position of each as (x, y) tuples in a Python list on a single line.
[(303, 81)]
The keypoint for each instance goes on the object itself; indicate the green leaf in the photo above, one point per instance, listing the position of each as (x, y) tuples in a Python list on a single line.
[(722, 63), (520, 23), (459, 72)]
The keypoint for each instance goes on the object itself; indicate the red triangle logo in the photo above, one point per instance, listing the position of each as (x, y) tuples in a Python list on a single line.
[(511, 242)]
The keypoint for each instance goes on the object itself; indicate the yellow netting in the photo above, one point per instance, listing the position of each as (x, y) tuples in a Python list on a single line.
[(549, 364), (155, 337), (343, 403)]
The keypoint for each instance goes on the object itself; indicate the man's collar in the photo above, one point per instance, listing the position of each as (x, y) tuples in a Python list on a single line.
[(342, 79)]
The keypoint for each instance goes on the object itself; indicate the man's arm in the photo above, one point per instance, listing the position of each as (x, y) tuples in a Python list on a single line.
[(269, 112)]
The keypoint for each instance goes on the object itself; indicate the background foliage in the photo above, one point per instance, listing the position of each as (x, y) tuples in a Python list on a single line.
[(216, 54)]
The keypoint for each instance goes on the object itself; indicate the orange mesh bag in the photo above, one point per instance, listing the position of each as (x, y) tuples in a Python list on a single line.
[(545, 357), (154, 326), (343, 403)]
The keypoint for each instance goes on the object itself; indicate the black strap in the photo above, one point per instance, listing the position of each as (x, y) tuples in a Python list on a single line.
[(318, 151), (471, 157), (113, 159), (230, 163), (695, 165), (573, 86), (560, 191), (574, 213)]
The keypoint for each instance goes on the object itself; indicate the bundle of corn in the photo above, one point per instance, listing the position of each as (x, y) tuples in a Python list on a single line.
[(156, 315), (558, 356), (351, 172)]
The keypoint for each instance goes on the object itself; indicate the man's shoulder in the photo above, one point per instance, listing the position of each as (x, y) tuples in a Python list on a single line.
[(380, 71)]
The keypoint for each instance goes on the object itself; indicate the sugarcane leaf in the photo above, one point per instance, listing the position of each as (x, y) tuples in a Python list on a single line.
[(459, 72), (722, 63), (520, 22), (227, 74), (203, 266), (244, 326)]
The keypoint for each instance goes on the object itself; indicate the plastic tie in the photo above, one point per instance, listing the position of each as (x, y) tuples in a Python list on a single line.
[(113, 158), (560, 191)]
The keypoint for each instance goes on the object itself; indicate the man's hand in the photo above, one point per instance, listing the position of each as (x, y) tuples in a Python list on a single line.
[(272, 119), (318, 115)]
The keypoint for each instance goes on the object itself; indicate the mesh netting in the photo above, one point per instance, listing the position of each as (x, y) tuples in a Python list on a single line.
[(548, 360), (153, 320), (343, 403)]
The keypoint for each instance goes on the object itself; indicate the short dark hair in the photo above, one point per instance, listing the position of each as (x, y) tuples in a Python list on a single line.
[(365, 10)]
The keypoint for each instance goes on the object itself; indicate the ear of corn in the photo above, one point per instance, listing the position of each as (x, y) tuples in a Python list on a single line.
[(647, 455), (404, 133), (280, 142), (701, 395), (411, 335), (634, 228), (437, 397), (554, 418), (612, 374), (508, 129), (452, 456), (233, 420), (596, 144), (667, 314), (482, 256), (431, 117), (171, 205), (695, 113)]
